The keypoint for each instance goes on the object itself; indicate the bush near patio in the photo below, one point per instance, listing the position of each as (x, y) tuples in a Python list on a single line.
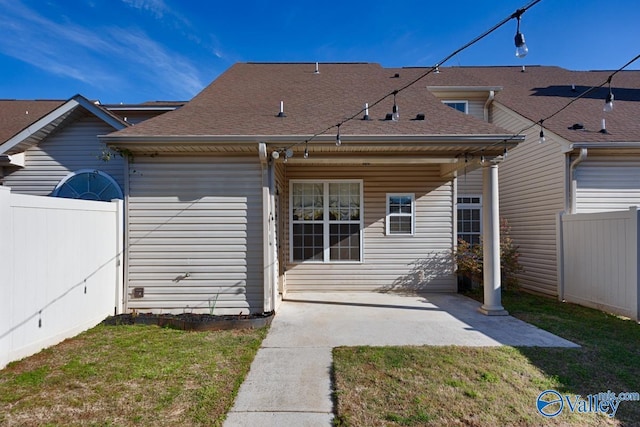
[(469, 259)]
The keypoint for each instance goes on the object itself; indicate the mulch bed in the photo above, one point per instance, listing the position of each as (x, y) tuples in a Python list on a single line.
[(193, 322)]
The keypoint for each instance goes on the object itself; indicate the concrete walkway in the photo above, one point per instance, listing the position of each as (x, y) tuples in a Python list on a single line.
[(289, 383)]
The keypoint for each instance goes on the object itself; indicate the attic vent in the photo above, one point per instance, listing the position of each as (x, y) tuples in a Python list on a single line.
[(389, 116), (576, 126), (317, 71), (396, 75), (419, 116)]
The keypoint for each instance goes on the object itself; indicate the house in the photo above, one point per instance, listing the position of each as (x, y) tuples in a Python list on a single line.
[(589, 161), (279, 178), (50, 147)]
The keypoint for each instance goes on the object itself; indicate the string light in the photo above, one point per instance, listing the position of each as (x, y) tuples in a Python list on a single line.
[(542, 138), (306, 149), (521, 46), (608, 103), (433, 69), (395, 113)]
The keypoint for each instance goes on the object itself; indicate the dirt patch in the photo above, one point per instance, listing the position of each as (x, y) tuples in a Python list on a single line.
[(193, 322)]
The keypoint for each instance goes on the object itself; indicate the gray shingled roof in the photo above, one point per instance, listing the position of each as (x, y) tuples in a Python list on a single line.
[(16, 115), (540, 91), (245, 100)]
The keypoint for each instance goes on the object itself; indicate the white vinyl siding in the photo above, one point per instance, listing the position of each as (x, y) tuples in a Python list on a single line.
[(195, 235), (532, 192), (69, 149), (470, 182), (421, 263), (607, 184)]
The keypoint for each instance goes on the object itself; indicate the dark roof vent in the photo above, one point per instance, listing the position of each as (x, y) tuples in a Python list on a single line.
[(576, 126), (389, 116), (419, 116), (396, 75)]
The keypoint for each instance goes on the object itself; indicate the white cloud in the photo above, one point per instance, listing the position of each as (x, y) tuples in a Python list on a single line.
[(98, 57), (157, 7)]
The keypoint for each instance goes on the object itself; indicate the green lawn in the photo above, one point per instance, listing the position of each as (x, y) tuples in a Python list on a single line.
[(129, 375), (465, 386)]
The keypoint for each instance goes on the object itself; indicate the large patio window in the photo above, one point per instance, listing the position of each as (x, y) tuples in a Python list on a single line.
[(326, 221)]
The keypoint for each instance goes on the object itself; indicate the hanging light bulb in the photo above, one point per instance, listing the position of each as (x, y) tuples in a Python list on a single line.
[(395, 113), (542, 138), (521, 46), (306, 150), (608, 103), (338, 140)]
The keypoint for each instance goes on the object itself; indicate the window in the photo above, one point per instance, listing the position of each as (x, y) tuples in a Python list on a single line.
[(470, 219), (400, 214), (88, 184), (326, 221), (462, 106)]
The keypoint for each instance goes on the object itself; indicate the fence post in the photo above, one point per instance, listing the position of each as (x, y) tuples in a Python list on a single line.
[(560, 254), (636, 236), (119, 270)]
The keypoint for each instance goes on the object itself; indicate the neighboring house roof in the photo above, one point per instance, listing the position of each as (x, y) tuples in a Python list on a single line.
[(15, 115), (245, 101), (31, 132), (539, 91)]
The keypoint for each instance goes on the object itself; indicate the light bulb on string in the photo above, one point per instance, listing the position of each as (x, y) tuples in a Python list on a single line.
[(542, 138), (521, 46), (608, 102), (338, 140), (306, 150), (395, 113)]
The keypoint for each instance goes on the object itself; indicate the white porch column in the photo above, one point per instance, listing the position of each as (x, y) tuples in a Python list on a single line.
[(491, 241)]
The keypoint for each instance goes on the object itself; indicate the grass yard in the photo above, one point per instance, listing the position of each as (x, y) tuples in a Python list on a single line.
[(466, 386), (129, 375)]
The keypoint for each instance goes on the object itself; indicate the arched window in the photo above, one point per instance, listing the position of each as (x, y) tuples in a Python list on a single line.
[(88, 184)]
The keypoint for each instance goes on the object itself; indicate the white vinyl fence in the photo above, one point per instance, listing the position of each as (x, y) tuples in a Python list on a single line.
[(60, 269), (599, 261)]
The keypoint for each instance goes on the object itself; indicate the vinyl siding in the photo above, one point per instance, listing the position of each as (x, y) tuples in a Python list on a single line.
[(531, 194), (470, 183), (421, 262), (69, 149), (607, 184), (201, 216)]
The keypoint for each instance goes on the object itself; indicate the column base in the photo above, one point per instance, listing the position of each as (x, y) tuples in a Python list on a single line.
[(493, 311)]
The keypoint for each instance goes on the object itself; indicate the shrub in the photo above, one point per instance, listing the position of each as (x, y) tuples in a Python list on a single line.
[(468, 259)]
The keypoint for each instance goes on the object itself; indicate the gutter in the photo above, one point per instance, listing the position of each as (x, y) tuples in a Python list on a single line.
[(359, 139), (492, 95), (572, 184)]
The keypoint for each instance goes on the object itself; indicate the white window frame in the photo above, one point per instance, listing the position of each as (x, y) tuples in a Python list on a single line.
[(389, 215), (477, 206), (326, 221), (457, 101)]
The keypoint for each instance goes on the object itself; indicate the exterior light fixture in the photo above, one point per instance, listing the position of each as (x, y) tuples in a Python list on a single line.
[(608, 103), (395, 113), (275, 155), (521, 46)]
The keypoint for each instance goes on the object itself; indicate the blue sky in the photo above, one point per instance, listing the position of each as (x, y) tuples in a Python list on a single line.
[(140, 50)]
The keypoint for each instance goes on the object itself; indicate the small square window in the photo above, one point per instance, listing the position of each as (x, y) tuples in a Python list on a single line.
[(400, 218)]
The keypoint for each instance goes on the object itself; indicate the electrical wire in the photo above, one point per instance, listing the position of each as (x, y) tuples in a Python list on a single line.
[(514, 15)]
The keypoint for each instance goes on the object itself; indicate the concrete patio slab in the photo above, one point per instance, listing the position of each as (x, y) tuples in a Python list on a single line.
[(290, 379)]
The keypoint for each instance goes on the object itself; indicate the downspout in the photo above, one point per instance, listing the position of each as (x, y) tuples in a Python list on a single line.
[(492, 95), (573, 185), (267, 264)]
